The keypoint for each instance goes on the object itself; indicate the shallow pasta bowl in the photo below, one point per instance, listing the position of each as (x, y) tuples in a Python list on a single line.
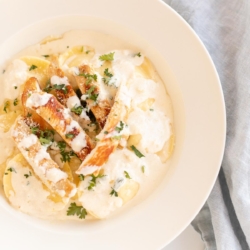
[(199, 115)]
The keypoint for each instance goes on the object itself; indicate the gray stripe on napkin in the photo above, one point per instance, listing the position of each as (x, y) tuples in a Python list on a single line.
[(231, 212), (205, 229)]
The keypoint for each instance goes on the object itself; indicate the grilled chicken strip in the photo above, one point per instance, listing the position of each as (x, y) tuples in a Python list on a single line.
[(64, 92), (87, 85), (110, 138), (44, 167), (58, 117)]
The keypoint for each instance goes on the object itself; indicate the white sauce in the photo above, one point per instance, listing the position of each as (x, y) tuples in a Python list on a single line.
[(79, 142), (15, 75), (89, 170), (55, 175), (38, 99), (155, 128), (56, 80), (73, 101), (28, 141), (6, 146)]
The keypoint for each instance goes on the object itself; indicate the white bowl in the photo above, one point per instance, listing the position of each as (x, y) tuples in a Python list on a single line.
[(199, 115)]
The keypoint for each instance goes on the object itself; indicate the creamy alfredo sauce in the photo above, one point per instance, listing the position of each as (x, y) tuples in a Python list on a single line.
[(148, 127)]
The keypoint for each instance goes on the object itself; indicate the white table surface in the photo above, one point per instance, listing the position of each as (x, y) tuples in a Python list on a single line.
[(37, 10)]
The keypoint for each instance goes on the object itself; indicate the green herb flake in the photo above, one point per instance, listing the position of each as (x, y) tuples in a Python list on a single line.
[(77, 110), (89, 78), (113, 192), (119, 129), (137, 152), (45, 136), (32, 67), (151, 109), (91, 93), (11, 170), (15, 102), (107, 57), (87, 52), (44, 141), (15, 87), (34, 130), (46, 56), (29, 114), (48, 87), (127, 175), (66, 156), (117, 137), (108, 75), (61, 145), (69, 136), (92, 182), (138, 54), (106, 132), (79, 211), (28, 175), (6, 105), (143, 169), (81, 177), (60, 87)]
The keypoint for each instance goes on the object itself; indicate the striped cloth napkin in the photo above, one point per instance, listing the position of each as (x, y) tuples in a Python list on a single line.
[(224, 28)]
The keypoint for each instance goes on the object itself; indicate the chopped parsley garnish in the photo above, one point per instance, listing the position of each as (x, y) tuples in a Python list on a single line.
[(69, 136), (80, 211), (81, 177), (143, 169), (87, 51), (117, 137), (91, 93), (107, 57), (15, 102), (15, 87), (61, 145), (119, 129), (28, 175), (127, 175), (92, 182), (138, 54), (60, 87), (32, 67), (44, 141), (45, 56), (6, 105), (108, 75), (45, 136), (106, 132), (113, 192), (151, 109), (137, 152), (66, 156), (48, 87), (11, 170), (77, 110), (29, 115), (89, 78)]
